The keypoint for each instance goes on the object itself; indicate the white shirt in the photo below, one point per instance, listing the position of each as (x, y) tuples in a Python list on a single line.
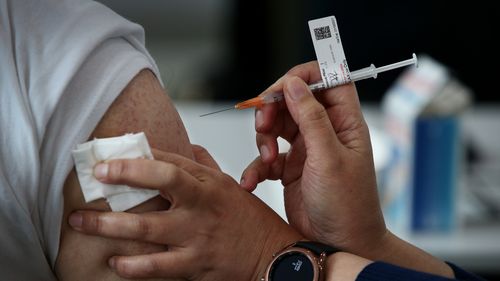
[(62, 63)]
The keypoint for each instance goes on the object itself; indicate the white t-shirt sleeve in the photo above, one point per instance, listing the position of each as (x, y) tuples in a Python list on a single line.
[(63, 64)]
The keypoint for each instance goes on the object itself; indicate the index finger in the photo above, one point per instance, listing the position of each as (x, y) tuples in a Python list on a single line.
[(173, 182), (273, 120), (269, 114), (187, 164), (309, 72)]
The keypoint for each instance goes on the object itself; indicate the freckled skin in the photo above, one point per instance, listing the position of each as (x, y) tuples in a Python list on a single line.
[(143, 106)]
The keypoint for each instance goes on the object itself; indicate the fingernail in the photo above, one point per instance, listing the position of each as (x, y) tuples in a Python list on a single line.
[(112, 263), (101, 171), (264, 152), (242, 181), (259, 120), (296, 89), (75, 220)]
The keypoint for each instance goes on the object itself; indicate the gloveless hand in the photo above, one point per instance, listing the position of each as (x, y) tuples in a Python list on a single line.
[(214, 230), (328, 174)]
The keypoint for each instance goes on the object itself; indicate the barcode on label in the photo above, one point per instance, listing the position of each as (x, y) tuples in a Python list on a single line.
[(322, 32), (329, 51)]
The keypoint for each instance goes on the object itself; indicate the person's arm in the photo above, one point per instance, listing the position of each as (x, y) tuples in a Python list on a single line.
[(344, 266), (228, 221), (214, 229), (142, 106), (242, 233)]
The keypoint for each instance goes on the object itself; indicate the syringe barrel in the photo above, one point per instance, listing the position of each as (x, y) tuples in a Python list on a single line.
[(316, 87), (278, 96), (364, 73), (360, 74)]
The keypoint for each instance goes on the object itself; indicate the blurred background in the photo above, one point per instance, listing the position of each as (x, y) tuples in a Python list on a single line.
[(212, 53), (231, 50)]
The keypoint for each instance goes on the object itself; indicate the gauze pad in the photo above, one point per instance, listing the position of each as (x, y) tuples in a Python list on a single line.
[(89, 154)]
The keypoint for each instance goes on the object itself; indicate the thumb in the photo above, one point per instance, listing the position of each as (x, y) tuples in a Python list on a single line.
[(311, 117), (204, 158)]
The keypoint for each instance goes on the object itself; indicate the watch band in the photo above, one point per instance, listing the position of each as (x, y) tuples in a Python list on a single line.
[(316, 247), (322, 251)]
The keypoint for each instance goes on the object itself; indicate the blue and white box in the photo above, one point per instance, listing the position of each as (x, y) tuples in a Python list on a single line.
[(422, 117)]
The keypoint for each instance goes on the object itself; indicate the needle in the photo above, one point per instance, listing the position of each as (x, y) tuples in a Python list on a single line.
[(225, 109)]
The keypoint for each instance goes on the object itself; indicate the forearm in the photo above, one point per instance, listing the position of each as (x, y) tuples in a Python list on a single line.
[(344, 266), (396, 251)]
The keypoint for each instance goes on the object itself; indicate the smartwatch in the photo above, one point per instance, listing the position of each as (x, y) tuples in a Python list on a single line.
[(300, 261)]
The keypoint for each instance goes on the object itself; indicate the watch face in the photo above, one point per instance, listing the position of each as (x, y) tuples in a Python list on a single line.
[(292, 266)]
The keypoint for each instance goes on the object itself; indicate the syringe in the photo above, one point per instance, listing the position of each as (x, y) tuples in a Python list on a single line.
[(364, 73)]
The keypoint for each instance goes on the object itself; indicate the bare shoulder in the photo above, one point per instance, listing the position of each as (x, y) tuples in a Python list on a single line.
[(143, 106)]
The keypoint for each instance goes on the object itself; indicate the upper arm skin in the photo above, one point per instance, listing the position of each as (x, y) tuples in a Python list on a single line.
[(143, 106)]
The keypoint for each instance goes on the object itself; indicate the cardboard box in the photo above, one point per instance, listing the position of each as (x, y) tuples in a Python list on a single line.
[(422, 117)]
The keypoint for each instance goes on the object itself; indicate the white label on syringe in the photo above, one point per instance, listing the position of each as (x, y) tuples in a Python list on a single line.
[(329, 51)]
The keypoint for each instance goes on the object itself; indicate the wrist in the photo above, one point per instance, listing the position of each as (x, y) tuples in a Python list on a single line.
[(396, 251), (380, 248), (344, 266), (273, 244), (373, 248), (302, 260)]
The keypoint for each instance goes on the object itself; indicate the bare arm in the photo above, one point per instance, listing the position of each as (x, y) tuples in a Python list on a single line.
[(393, 249), (344, 266), (143, 106)]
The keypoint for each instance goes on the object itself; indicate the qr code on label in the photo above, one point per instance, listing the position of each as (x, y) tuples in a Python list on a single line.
[(322, 32)]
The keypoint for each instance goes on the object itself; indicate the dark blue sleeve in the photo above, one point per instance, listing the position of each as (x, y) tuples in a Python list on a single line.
[(461, 274), (384, 271)]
